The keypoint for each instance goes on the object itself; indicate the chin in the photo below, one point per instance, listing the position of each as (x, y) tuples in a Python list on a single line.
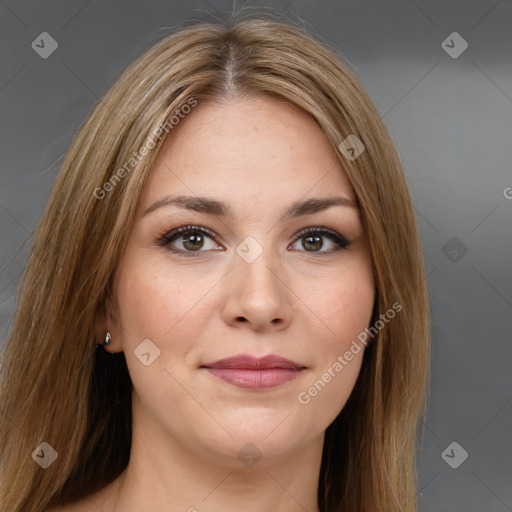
[(258, 436)]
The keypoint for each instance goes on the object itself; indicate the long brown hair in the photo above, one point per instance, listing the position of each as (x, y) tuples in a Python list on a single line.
[(56, 387)]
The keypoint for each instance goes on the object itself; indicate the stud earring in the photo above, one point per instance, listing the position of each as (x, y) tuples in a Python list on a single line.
[(108, 339)]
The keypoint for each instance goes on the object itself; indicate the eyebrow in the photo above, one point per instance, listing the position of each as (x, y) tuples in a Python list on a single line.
[(220, 209)]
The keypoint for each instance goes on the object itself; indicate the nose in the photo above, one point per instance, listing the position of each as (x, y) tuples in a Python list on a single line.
[(258, 295)]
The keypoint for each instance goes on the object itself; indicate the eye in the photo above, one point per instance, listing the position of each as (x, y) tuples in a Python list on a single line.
[(312, 240), (194, 238)]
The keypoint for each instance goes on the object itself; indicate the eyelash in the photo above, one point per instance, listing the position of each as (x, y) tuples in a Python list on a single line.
[(166, 237)]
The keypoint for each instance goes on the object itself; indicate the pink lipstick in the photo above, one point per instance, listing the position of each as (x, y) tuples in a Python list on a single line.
[(255, 373)]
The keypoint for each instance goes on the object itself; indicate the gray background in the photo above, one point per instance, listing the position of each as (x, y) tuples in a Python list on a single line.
[(451, 120)]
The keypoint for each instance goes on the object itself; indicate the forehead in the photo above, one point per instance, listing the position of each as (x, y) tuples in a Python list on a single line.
[(241, 151)]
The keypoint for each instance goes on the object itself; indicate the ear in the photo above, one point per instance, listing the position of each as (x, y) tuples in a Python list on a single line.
[(107, 320)]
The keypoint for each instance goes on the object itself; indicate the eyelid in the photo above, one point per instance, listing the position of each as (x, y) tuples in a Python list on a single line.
[(322, 231)]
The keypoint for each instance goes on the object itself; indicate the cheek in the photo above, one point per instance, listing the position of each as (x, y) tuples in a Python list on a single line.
[(345, 308), (141, 307), (344, 303), (156, 303), (158, 306)]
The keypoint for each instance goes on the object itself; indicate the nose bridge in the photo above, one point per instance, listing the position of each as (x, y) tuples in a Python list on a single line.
[(257, 292), (258, 263)]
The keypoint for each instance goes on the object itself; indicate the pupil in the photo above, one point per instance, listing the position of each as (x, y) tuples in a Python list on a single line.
[(194, 240), (314, 240)]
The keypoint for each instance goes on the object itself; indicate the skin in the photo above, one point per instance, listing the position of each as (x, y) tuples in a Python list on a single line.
[(304, 303)]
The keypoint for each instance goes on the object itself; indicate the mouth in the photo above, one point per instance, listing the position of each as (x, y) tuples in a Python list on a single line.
[(255, 373)]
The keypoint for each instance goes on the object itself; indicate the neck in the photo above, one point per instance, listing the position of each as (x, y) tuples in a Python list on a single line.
[(163, 474)]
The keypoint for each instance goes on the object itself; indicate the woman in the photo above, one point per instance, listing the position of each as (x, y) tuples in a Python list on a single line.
[(225, 306)]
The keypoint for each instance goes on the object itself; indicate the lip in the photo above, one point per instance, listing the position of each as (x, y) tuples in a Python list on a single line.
[(249, 372)]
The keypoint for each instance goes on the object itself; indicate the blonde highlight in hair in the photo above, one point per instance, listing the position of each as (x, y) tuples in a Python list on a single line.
[(57, 388)]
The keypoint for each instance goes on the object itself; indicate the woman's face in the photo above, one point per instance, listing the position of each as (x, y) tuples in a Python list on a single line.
[(251, 286)]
